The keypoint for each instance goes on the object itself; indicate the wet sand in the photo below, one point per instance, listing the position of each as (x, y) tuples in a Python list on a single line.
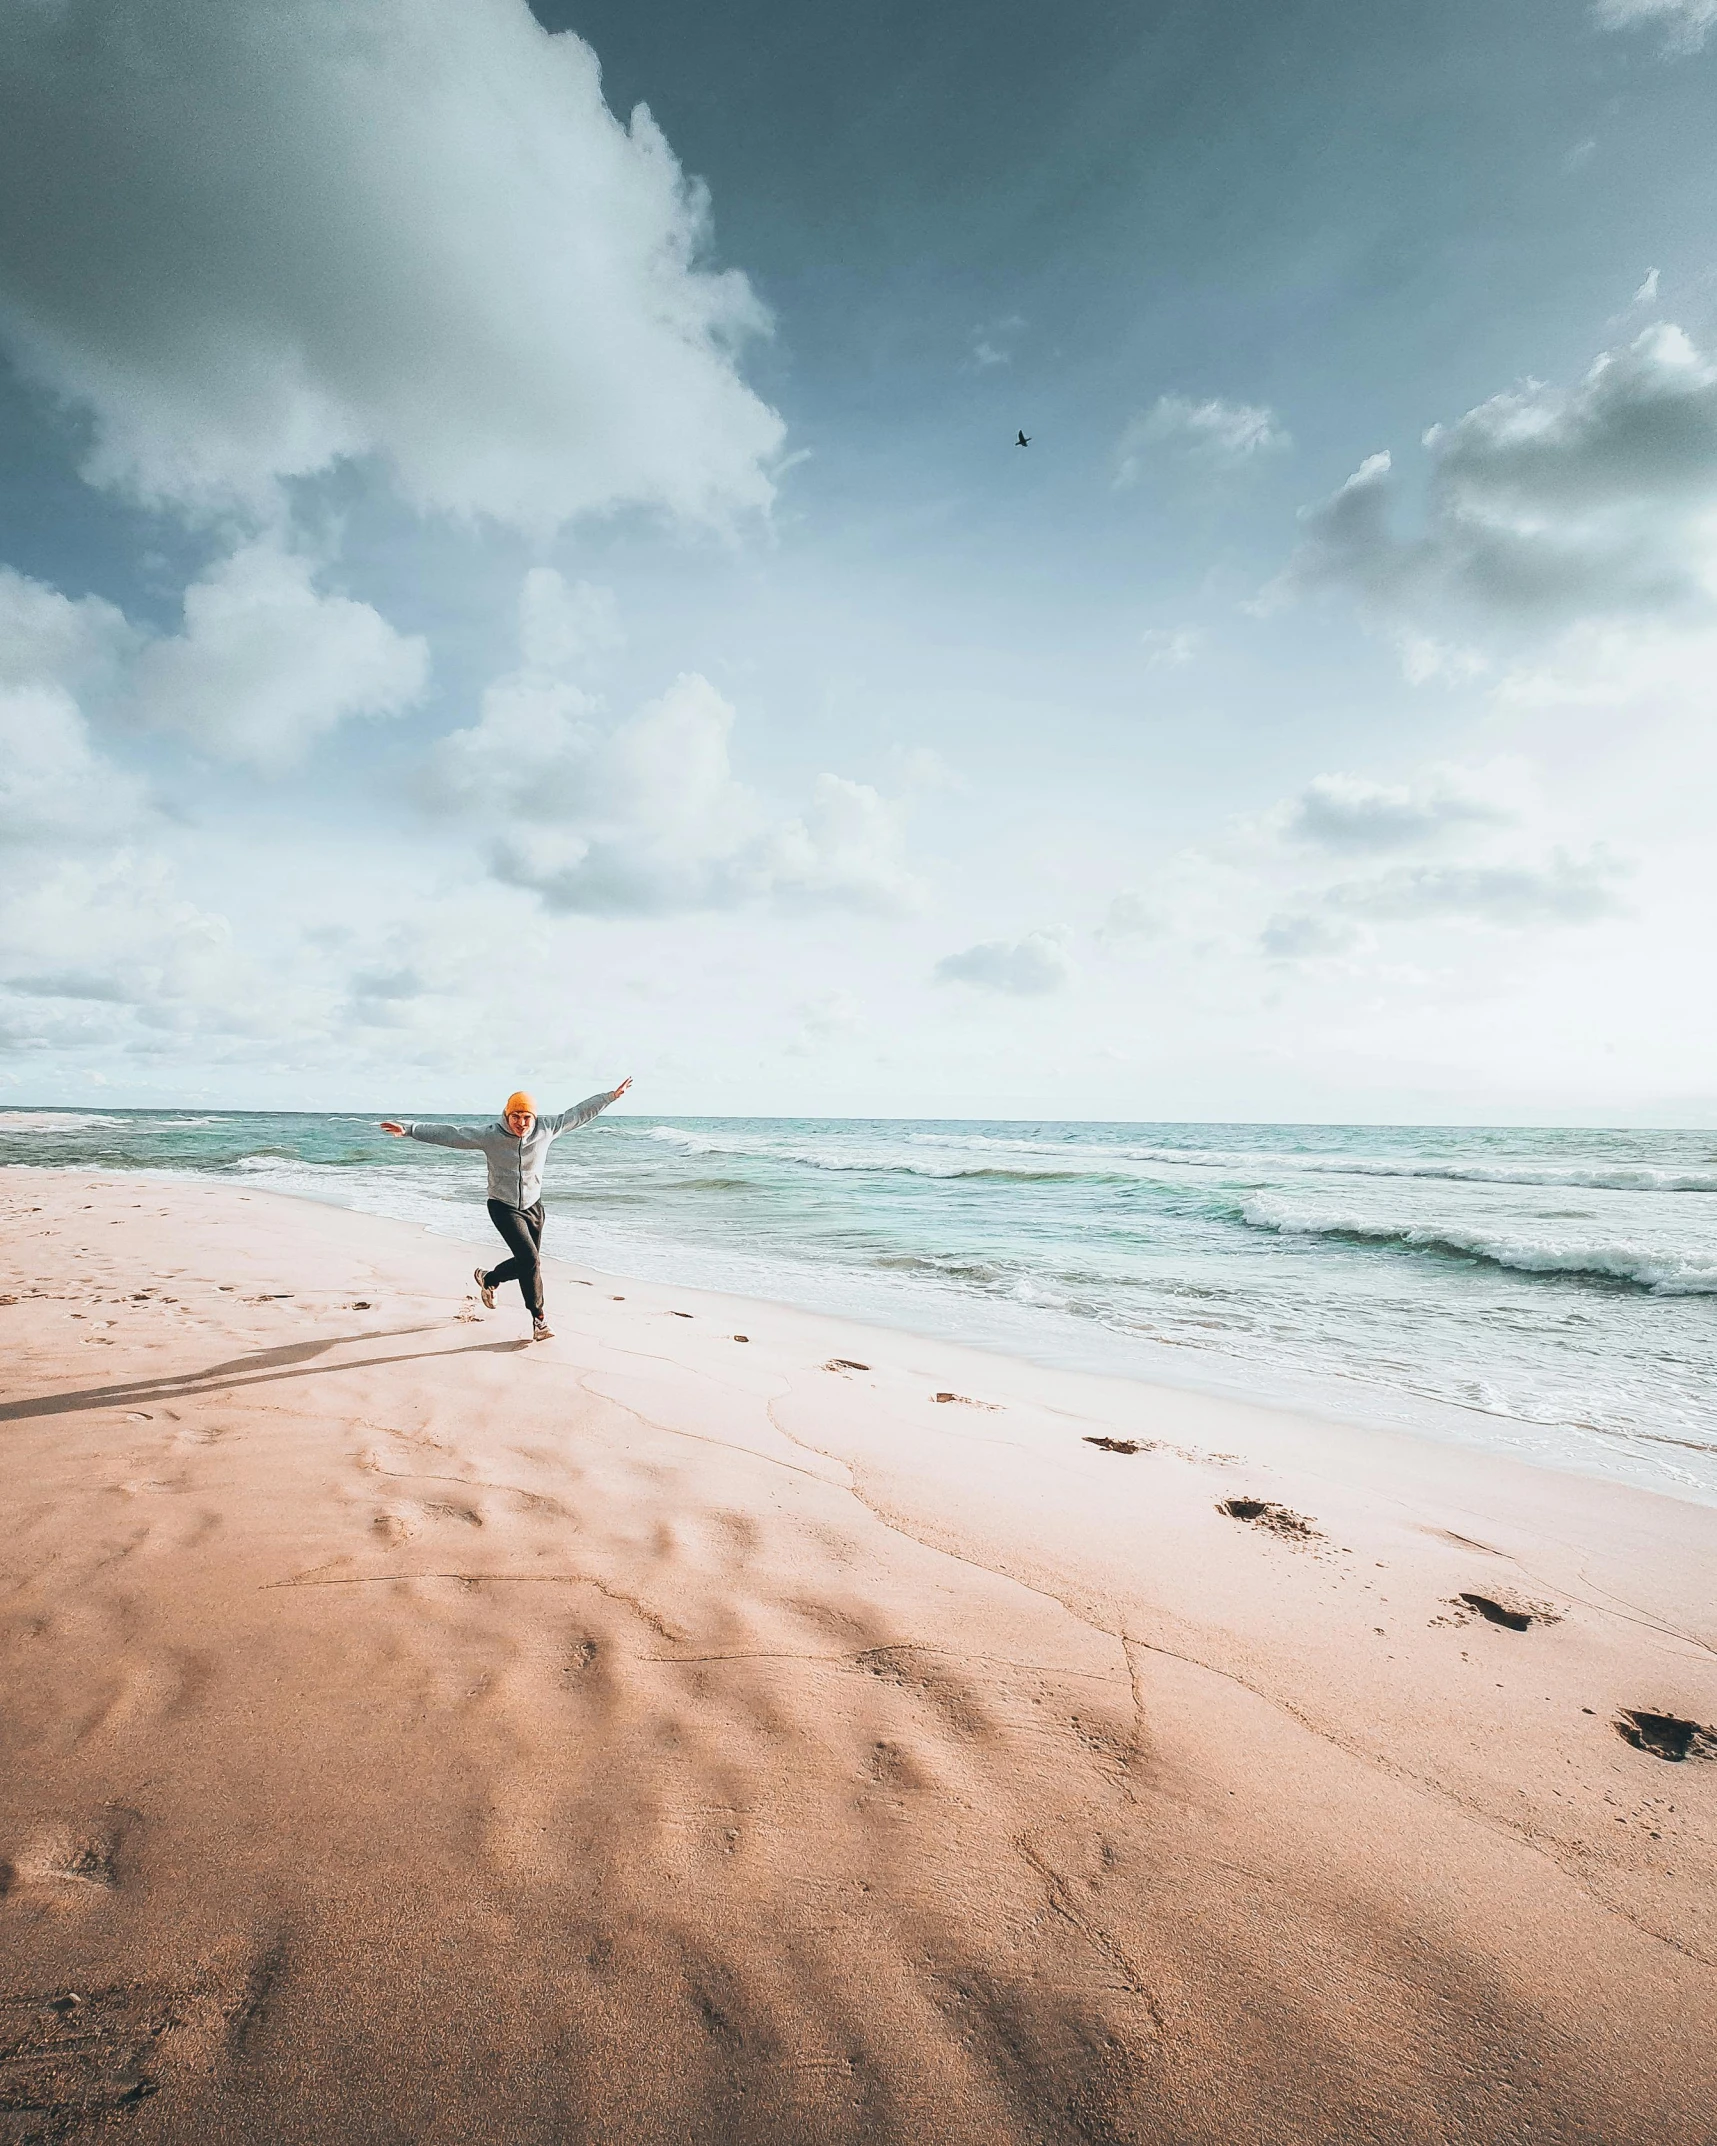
[(413, 1734)]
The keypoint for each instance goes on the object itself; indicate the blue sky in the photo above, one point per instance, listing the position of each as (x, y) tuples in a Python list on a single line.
[(498, 585)]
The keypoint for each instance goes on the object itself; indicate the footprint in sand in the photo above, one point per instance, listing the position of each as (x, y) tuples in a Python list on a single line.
[(1513, 1613), (71, 2057), (1666, 1736), (1266, 1513), (62, 1865)]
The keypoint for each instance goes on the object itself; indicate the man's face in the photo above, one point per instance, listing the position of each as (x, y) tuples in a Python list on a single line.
[(519, 1122)]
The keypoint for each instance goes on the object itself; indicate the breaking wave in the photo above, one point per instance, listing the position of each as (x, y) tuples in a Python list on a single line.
[(51, 1121), (1096, 1162), (1663, 1271), (882, 1163)]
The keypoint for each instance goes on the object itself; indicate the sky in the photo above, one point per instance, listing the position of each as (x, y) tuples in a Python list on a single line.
[(515, 564)]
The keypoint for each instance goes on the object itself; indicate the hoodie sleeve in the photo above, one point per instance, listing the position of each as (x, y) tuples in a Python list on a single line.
[(444, 1136), (581, 1113)]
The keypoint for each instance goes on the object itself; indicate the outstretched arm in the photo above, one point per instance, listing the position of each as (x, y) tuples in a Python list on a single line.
[(435, 1136), (581, 1113)]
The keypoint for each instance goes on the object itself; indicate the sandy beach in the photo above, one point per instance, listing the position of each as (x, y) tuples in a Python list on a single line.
[(728, 1724)]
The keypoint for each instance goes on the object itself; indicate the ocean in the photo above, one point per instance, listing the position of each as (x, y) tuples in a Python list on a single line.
[(1550, 1294)]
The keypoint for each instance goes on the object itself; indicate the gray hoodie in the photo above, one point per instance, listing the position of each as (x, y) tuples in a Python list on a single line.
[(515, 1165)]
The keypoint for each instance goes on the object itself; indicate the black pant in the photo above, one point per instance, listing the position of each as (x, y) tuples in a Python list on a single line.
[(522, 1228)]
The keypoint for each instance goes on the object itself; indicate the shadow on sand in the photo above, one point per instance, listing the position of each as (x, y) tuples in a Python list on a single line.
[(267, 1367)]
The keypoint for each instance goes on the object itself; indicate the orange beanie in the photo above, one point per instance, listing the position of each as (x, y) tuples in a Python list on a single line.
[(520, 1101)]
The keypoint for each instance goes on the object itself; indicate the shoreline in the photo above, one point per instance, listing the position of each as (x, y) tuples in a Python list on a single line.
[(413, 1721), (1334, 1395)]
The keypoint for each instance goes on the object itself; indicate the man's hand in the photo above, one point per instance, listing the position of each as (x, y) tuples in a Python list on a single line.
[(388, 1126), (621, 1090)]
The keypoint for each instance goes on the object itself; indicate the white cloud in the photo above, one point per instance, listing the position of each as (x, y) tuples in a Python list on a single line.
[(54, 785), (1685, 21), (266, 665), (1371, 874), (1132, 915), (116, 932), (1025, 968), (1617, 664), (561, 624), (1220, 435), (1545, 503), (100, 946), (253, 238), (991, 340), (1646, 295), (78, 643), (1498, 892), (1306, 937), (646, 816), (1563, 890), (1170, 648), (1346, 812), (920, 769)]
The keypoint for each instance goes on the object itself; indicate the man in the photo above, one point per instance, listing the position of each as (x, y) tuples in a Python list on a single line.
[(516, 1147)]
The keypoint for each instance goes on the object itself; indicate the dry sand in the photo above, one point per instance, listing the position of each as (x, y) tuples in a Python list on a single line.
[(411, 1734)]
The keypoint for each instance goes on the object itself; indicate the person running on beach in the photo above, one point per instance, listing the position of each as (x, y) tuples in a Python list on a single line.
[(516, 1146)]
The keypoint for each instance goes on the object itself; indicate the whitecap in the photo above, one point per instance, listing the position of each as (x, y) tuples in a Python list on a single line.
[(51, 1121), (1663, 1270)]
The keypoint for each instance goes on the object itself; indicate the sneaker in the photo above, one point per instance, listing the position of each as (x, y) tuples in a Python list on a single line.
[(483, 1288), (541, 1330)]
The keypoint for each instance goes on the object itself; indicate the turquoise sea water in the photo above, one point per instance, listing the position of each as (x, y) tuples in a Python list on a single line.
[(1548, 1293)]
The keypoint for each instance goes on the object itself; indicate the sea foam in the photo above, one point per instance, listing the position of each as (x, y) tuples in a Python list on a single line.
[(1664, 1271)]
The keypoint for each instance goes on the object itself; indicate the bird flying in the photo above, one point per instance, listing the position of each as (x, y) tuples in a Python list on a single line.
[(1022, 441)]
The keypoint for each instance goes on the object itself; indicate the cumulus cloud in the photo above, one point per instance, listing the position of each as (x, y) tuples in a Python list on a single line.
[(563, 623), (1023, 968), (266, 664), (1509, 894), (115, 932), (55, 787), (1545, 503), (79, 643), (1306, 937), (1349, 865), (1346, 812), (646, 816), (1217, 434), (1620, 664), (1565, 890), (254, 238), (1686, 22)]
